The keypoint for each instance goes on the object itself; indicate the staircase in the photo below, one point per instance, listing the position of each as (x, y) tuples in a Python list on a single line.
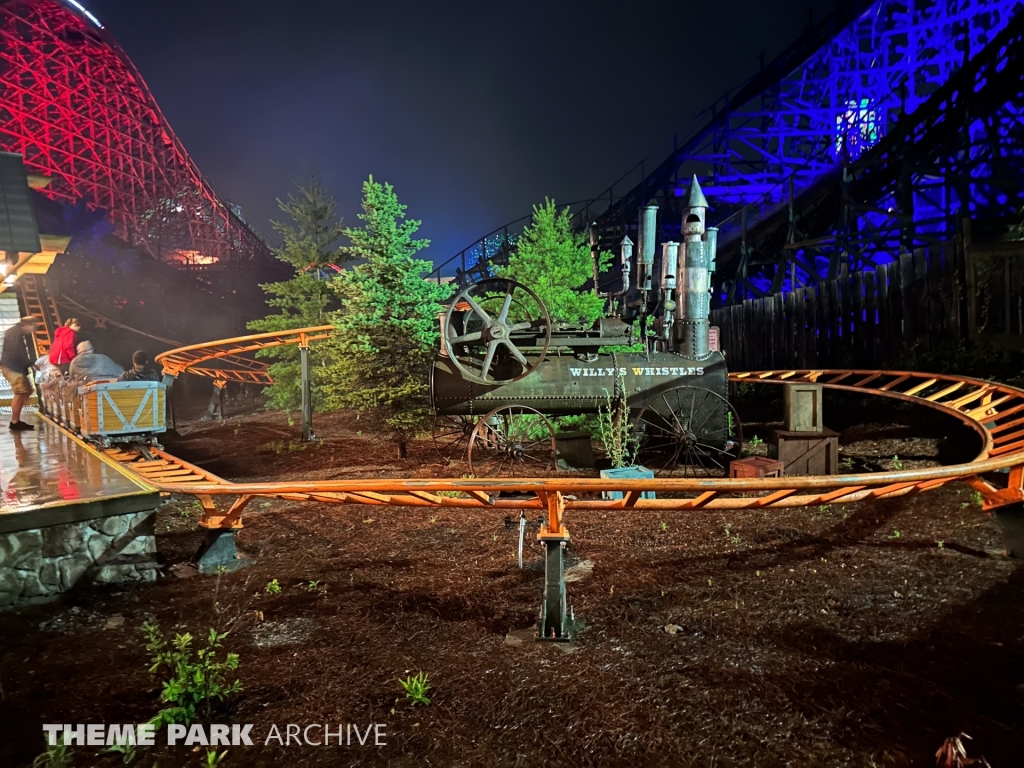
[(39, 300)]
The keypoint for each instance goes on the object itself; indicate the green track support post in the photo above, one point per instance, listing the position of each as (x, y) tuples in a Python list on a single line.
[(557, 622), (215, 410), (168, 382), (307, 396), (1011, 520)]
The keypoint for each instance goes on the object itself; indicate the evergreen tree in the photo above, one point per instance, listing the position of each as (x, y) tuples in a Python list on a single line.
[(383, 343), (554, 262), (307, 298)]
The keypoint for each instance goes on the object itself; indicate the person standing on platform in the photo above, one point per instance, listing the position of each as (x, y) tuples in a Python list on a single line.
[(15, 362), (65, 342)]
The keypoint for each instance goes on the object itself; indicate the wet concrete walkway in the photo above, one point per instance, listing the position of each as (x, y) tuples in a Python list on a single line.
[(46, 469)]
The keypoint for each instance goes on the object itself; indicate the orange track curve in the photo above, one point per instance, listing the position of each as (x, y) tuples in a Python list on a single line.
[(994, 411)]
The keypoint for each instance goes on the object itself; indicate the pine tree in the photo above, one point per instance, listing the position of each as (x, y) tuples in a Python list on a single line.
[(383, 343), (307, 298), (554, 262)]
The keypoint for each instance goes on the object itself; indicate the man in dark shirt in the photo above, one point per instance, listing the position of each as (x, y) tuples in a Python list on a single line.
[(139, 370), (15, 362)]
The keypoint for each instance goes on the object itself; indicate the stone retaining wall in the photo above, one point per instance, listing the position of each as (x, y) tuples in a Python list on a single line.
[(37, 564)]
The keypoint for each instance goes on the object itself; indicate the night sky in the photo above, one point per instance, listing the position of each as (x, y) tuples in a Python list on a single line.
[(473, 111)]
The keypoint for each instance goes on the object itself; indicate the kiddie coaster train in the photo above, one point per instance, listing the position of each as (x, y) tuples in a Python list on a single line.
[(503, 364)]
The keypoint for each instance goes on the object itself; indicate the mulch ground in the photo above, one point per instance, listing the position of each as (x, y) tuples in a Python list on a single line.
[(857, 635)]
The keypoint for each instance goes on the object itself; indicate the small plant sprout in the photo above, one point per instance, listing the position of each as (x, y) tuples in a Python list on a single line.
[(823, 508), (664, 526), (897, 463), (416, 687), (212, 758), (56, 755), (896, 535), (755, 441), (433, 519), (124, 747), (940, 544), (977, 498), (272, 588)]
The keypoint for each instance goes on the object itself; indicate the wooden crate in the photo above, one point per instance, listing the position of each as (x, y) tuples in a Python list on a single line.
[(111, 409), (802, 406), (756, 466), (575, 450), (806, 453)]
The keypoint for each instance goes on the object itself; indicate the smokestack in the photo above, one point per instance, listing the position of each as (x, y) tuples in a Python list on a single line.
[(694, 286), (645, 257), (711, 238), (694, 277), (627, 261), (669, 267)]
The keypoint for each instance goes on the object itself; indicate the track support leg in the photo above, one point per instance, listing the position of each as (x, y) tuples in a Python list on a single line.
[(307, 397), (215, 410), (556, 619), (218, 554), (1011, 520), (556, 623), (168, 400)]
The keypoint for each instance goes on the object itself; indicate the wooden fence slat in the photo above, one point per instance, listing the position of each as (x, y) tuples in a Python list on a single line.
[(860, 335), (812, 327), (907, 306), (824, 351), (835, 324), (763, 342), (883, 330), (778, 329), (936, 305), (751, 311), (921, 298), (870, 319), (895, 310), (801, 328)]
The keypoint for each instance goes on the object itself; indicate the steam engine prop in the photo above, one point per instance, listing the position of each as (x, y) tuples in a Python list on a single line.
[(504, 367)]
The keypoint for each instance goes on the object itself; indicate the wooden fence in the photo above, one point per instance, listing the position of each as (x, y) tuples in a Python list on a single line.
[(879, 318)]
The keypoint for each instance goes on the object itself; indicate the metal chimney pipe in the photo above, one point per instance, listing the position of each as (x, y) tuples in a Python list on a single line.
[(669, 267), (711, 238), (627, 262), (694, 286), (645, 248)]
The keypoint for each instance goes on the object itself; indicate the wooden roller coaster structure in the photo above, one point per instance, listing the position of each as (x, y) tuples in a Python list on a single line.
[(995, 412)]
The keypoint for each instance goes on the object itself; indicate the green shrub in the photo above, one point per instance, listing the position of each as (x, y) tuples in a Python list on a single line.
[(195, 679)]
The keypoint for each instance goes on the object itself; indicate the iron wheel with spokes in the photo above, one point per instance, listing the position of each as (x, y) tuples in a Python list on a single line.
[(688, 432), (512, 441), (451, 436)]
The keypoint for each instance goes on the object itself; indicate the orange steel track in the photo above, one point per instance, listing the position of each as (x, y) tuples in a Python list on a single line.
[(192, 359), (994, 411)]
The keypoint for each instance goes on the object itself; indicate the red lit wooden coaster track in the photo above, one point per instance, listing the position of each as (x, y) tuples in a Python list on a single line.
[(995, 412)]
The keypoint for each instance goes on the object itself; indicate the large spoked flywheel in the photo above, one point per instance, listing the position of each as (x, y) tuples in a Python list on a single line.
[(688, 432), (496, 331)]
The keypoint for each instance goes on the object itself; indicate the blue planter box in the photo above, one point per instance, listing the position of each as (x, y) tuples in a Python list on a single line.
[(631, 473)]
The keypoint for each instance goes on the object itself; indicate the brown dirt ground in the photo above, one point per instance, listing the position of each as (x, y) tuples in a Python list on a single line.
[(859, 635)]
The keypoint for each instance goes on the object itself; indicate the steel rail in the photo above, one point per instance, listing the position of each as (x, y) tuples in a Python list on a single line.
[(995, 412), (190, 359)]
